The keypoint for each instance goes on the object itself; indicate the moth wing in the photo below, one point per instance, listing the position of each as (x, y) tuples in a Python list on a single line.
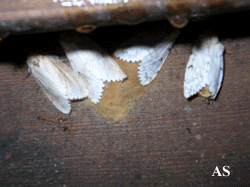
[(101, 65), (57, 98), (204, 68), (76, 85), (112, 70), (76, 59), (194, 78), (152, 63), (95, 85), (215, 65), (133, 53), (47, 72), (60, 102), (98, 63), (141, 45), (58, 81)]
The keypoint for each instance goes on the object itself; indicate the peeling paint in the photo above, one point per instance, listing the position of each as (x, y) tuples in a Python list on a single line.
[(106, 2), (70, 3)]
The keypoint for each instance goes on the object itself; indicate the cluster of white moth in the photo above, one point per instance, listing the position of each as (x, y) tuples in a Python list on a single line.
[(85, 78), (204, 71), (91, 67)]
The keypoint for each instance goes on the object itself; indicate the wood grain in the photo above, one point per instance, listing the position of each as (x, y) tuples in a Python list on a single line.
[(166, 140)]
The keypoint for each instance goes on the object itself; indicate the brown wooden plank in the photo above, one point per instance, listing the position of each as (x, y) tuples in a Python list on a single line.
[(166, 140), (36, 15)]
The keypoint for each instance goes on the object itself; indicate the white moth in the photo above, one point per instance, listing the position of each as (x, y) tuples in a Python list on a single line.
[(151, 58), (94, 64), (93, 57), (204, 71), (95, 85), (58, 81)]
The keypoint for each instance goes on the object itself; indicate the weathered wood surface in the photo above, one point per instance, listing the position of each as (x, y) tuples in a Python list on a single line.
[(36, 15), (166, 140)]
